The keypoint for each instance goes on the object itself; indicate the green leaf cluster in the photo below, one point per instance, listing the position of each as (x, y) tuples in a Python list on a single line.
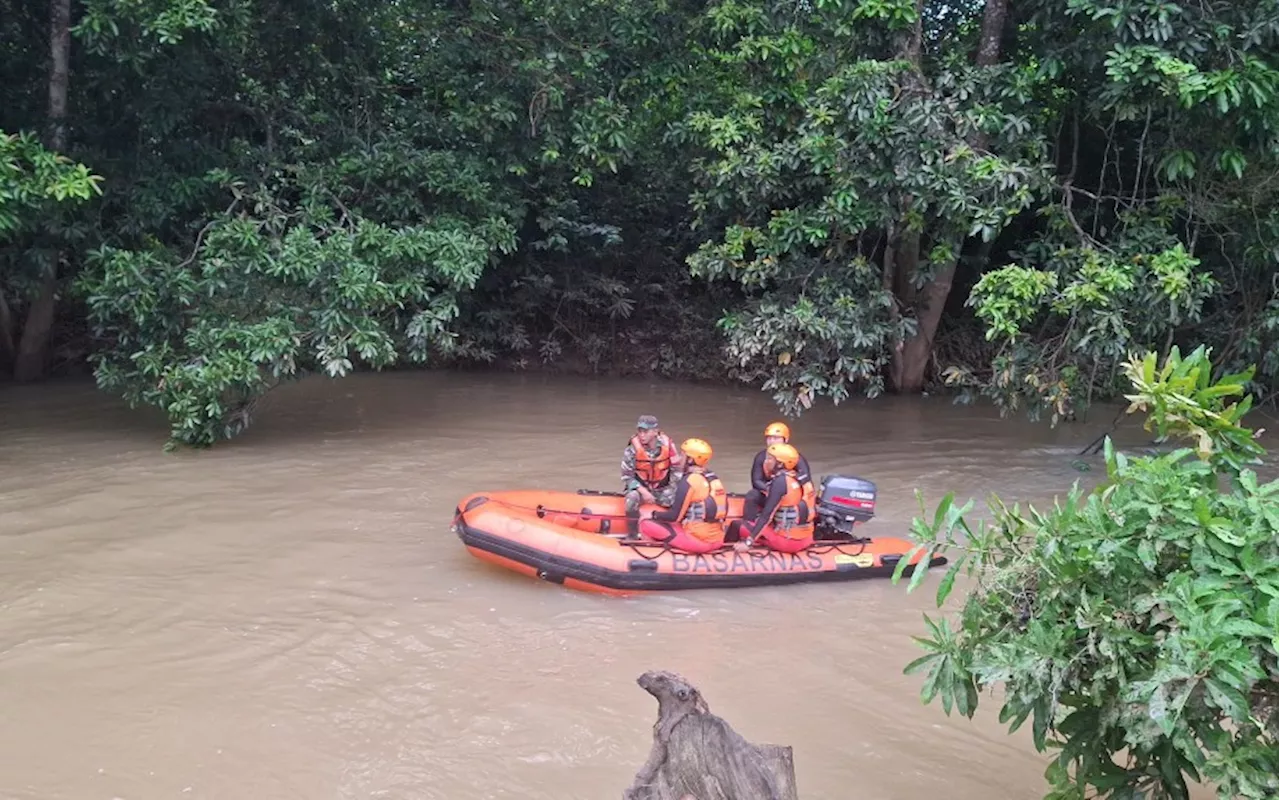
[(1099, 306), (274, 294), (830, 159), (32, 179), (1163, 228), (1135, 625)]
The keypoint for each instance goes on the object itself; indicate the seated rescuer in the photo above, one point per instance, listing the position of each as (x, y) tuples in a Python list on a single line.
[(651, 469), (774, 433), (786, 522), (694, 522)]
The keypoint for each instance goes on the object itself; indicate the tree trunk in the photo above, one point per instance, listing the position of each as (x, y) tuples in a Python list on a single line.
[(993, 14), (8, 348), (698, 756), (33, 349), (910, 364), (906, 256)]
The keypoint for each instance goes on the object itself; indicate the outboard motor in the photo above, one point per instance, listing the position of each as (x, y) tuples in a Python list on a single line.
[(843, 502)]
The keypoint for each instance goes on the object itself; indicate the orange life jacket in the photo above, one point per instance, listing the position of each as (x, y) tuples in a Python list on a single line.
[(794, 516), (653, 470), (702, 515), (719, 494)]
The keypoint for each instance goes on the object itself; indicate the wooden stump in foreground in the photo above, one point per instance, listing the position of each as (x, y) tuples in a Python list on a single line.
[(698, 756)]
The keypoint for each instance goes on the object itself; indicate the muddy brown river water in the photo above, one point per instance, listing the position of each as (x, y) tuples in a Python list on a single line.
[(288, 615)]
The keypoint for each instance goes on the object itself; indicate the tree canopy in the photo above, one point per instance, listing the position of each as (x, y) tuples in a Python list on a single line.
[(204, 198)]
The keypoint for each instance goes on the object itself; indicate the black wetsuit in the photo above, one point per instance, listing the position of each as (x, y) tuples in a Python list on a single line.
[(751, 526)]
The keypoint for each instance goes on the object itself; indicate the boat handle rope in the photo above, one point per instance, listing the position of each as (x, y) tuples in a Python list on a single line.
[(839, 547), (542, 511), (635, 548), (607, 493)]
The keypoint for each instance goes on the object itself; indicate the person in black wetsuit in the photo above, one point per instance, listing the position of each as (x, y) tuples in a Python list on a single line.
[(786, 521), (774, 433)]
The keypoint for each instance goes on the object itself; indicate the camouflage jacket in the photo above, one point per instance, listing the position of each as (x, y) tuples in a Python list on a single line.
[(629, 479)]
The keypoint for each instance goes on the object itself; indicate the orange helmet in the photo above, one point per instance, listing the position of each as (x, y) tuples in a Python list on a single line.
[(698, 451), (785, 454), (778, 429)]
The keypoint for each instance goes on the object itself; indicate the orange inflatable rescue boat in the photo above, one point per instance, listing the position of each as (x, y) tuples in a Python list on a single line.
[(578, 539)]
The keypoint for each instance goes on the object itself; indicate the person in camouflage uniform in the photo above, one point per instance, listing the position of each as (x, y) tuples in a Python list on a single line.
[(645, 482)]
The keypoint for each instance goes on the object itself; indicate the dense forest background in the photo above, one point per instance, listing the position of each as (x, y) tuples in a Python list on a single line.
[(200, 199)]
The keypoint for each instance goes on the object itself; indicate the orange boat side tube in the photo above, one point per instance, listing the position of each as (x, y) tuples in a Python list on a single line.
[(577, 540)]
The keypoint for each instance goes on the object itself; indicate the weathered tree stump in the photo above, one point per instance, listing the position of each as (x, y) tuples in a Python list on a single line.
[(698, 756)]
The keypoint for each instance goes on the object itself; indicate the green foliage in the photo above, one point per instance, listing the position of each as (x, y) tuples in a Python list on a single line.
[(820, 340), (32, 178), (1165, 227), (104, 26), (1098, 305), (1135, 626), (40, 190), (271, 297), (782, 194), (378, 170), (816, 165), (1182, 399)]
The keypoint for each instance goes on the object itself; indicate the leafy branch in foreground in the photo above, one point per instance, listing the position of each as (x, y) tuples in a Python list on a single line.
[(1135, 625)]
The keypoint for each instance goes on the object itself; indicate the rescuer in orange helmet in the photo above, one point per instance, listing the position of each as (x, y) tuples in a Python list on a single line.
[(774, 433), (786, 521), (694, 522)]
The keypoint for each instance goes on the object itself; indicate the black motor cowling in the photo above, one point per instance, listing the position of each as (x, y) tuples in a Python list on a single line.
[(845, 501)]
